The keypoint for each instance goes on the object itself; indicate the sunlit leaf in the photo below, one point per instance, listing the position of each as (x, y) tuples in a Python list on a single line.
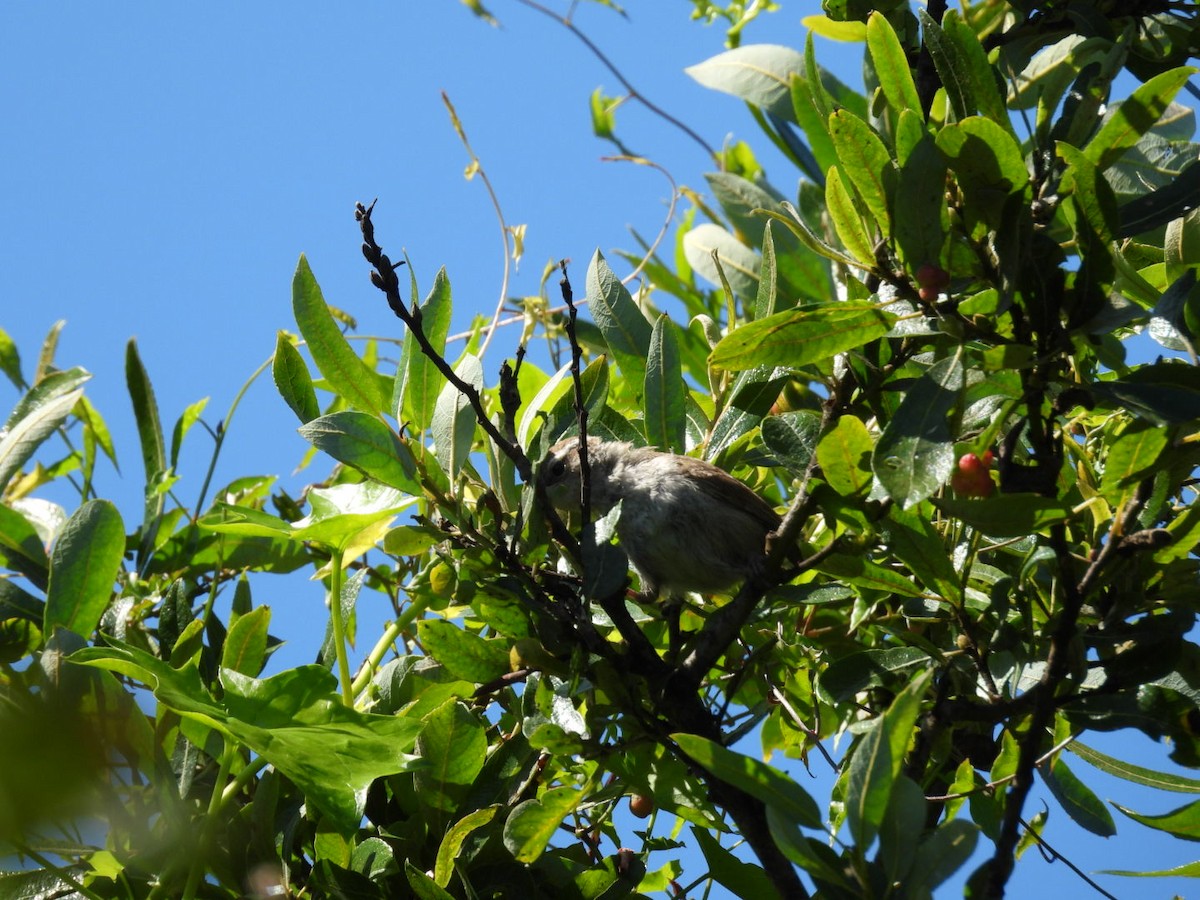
[(800, 336), (757, 73)]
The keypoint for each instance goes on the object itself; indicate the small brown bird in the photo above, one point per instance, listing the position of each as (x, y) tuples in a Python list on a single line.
[(685, 524)]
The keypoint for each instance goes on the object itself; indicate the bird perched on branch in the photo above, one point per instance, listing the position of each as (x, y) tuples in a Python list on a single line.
[(685, 524)]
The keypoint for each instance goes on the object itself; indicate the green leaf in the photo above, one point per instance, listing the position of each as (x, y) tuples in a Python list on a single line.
[(891, 65), (1135, 116), (453, 744), (741, 878), (987, 96), (767, 297), (1165, 392), (862, 572), (23, 550), (346, 373), (423, 887), (10, 360), (814, 121), (851, 675), (418, 380), (844, 453), (740, 264), (533, 823), (1183, 823), (466, 656), (953, 70), (1006, 515), (245, 648), (453, 425), (83, 568), (368, 444), (900, 831), (760, 74), (919, 546), (1091, 192), (457, 835), (619, 319), (753, 776), (846, 221), (944, 852), (1132, 457), (799, 228), (987, 162), (915, 452), (293, 381), (921, 232), (36, 416), (1163, 781), (800, 336), (295, 720), (1187, 870), (1155, 209), (1080, 803), (876, 763), (664, 393), (864, 159), (153, 444), (753, 394), (792, 437)]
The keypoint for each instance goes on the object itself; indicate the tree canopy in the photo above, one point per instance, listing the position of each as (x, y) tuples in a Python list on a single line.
[(920, 357)]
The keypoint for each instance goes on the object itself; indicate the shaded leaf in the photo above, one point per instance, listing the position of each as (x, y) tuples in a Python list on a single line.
[(755, 777), (915, 452), (664, 393)]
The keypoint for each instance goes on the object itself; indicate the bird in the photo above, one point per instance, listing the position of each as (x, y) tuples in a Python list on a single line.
[(686, 525)]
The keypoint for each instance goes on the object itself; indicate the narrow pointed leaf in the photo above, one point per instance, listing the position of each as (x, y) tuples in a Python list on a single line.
[(891, 65), (418, 381), (755, 777), (663, 397), (1182, 823), (846, 220), (865, 160), (293, 380), (619, 319), (1079, 801), (454, 424), (347, 374)]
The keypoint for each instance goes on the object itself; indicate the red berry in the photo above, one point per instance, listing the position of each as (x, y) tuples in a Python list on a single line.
[(971, 478), (641, 805), (933, 278)]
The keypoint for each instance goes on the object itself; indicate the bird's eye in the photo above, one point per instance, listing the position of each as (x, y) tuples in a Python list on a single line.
[(557, 469)]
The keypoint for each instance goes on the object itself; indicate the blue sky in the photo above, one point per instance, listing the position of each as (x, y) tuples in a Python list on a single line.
[(165, 165)]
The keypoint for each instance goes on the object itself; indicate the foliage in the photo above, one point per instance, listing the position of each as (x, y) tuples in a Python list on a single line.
[(971, 247)]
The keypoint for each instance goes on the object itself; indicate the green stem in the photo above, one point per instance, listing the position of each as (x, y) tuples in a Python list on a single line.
[(393, 631), (198, 867), (339, 631)]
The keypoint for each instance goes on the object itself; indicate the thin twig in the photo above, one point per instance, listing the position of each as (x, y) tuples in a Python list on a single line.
[(477, 168), (634, 93)]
